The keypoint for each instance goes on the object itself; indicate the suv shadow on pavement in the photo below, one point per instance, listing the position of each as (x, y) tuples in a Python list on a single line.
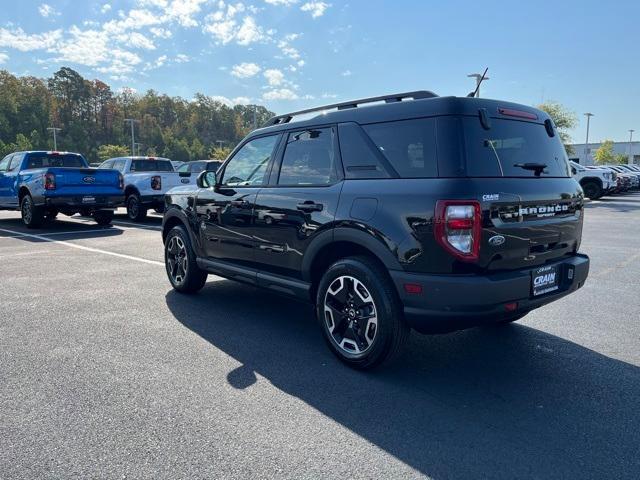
[(56, 230), (494, 402)]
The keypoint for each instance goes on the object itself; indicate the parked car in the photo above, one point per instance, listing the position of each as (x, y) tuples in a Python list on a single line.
[(416, 212), (146, 180), (633, 176), (42, 184), (595, 182)]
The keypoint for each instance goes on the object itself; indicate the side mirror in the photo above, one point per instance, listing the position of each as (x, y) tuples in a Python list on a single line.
[(207, 179)]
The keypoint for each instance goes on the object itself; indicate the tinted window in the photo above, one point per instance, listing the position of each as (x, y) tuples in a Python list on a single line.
[(44, 160), (308, 158), (213, 166), (359, 158), (197, 167), (16, 161), (248, 166), (510, 144), (184, 168), (147, 165), (107, 164), (408, 145)]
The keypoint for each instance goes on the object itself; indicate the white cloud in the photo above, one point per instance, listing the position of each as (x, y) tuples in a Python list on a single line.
[(105, 8), (136, 40), (281, 2), (280, 94), (3, 58), (225, 26), (245, 70), (161, 32), (182, 58), (346, 73), (241, 100), (19, 40), (249, 32), (316, 9), (274, 76), (47, 10)]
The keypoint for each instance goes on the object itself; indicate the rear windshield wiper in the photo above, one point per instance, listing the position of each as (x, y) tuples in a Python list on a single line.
[(537, 168)]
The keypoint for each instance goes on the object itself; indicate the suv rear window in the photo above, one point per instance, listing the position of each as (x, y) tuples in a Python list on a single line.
[(45, 160), (498, 151), (408, 145), (147, 165)]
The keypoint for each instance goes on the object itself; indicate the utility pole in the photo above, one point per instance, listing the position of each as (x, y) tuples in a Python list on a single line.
[(139, 147), (133, 138), (220, 143), (55, 139), (255, 120), (478, 77), (586, 145), (631, 130)]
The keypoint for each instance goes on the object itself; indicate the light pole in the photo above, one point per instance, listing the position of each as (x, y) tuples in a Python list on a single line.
[(55, 139), (139, 147), (586, 145), (478, 77), (133, 138), (220, 143), (630, 161)]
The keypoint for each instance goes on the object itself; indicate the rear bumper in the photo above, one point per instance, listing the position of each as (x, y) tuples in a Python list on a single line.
[(78, 202), (455, 302)]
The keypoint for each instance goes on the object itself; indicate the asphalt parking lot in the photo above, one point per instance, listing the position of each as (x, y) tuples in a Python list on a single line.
[(105, 372)]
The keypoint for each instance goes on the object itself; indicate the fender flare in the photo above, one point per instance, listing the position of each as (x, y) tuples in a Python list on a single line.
[(352, 235), (173, 214)]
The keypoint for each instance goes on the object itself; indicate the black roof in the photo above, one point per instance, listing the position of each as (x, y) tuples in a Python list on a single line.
[(395, 107)]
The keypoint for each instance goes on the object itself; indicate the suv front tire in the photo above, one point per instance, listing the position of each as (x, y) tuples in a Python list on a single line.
[(360, 314), (180, 262)]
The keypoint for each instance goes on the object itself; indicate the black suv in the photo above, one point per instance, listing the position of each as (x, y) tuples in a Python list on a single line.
[(389, 213)]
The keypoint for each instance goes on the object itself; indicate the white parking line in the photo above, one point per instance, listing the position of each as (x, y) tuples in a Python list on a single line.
[(82, 247)]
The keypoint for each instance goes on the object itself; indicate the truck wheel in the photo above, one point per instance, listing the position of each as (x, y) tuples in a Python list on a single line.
[(360, 313), (180, 262), (135, 210), (32, 215), (159, 209), (103, 217), (592, 190)]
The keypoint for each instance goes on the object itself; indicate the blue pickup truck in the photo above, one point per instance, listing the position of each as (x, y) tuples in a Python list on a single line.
[(42, 184)]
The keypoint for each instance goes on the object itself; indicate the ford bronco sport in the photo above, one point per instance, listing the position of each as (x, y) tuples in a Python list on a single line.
[(389, 213)]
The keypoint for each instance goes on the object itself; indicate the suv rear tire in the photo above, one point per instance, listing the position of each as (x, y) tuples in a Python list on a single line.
[(135, 210), (360, 314), (180, 262), (103, 217), (592, 190)]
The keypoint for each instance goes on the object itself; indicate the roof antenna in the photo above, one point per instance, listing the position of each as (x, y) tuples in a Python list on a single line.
[(473, 94)]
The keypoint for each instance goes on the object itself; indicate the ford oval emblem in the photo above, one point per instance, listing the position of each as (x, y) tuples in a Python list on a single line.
[(89, 179), (496, 240)]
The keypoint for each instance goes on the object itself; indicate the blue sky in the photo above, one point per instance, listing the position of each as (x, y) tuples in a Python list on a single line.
[(290, 54)]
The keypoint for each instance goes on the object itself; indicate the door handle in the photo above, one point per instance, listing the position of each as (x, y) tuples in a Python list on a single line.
[(310, 206)]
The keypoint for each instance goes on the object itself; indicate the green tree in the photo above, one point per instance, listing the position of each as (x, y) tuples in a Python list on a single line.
[(604, 154), (22, 143), (111, 151), (220, 153), (564, 119), (621, 158)]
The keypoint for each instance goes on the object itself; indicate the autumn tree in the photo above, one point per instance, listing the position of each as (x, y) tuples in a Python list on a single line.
[(564, 119)]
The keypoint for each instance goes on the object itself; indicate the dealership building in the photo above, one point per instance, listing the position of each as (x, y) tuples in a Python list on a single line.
[(584, 156)]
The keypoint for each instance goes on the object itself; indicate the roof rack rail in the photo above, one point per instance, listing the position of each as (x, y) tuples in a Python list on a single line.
[(396, 97)]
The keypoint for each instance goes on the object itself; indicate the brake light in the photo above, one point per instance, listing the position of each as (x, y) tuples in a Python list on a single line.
[(121, 181), (510, 112), (156, 182), (49, 180), (458, 226)]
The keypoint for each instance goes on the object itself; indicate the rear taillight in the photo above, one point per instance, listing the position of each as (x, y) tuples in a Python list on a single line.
[(121, 181), (458, 226), (156, 182), (49, 180)]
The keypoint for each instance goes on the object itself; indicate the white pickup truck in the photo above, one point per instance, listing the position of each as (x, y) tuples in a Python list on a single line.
[(595, 182), (146, 180)]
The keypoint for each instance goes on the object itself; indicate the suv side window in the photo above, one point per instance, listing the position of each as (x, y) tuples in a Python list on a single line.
[(248, 167), (107, 164), (409, 145), (16, 161), (119, 164), (184, 168), (309, 158), (359, 155)]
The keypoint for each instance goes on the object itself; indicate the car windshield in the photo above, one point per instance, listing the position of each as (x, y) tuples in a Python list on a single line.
[(149, 165), (45, 160), (512, 148)]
